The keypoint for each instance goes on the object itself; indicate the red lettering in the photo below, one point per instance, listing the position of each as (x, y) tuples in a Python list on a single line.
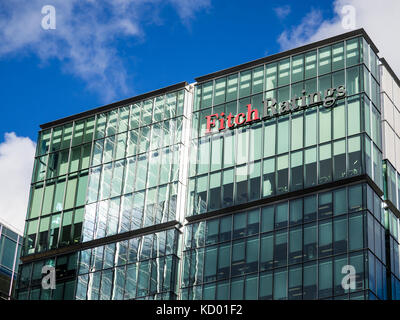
[(222, 122), (250, 113), (210, 123), (230, 117), (238, 116)]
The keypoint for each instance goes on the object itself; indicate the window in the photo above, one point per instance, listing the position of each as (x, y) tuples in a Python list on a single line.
[(324, 60), (269, 177), (296, 174), (245, 83), (219, 92), (297, 131), (297, 68), (283, 72), (324, 124), (352, 52), (258, 80), (311, 64), (271, 80), (339, 120), (353, 81), (354, 156), (232, 83), (339, 159), (338, 56), (295, 245), (267, 252), (310, 168), (325, 163), (353, 116)]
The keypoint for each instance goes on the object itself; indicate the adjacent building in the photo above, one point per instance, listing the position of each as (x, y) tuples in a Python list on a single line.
[(10, 250), (267, 180)]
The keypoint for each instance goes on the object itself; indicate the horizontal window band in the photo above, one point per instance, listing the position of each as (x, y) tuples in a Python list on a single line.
[(102, 241), (286, 196)]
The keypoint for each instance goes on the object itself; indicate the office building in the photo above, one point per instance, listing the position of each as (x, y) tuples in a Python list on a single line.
[(262, 181)]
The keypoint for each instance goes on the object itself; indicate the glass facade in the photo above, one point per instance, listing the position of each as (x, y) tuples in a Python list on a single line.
[(294, 249), (141, 202), (294, 151), (10, 250)]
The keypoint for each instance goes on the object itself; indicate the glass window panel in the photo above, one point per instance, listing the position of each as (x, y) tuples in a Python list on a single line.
[(267, 252), (324, 60), (311, 127), (353, 116), (280, 284), (311, 64), (325, 163), (325, 275), (339, 121), (206, 99), (269, 177), (295, 283), (296, 173), (310, 281), (258, 79), (353, 80), (245, 81), (269, 138), (267, 219), (227, 187), (356, 232), (297, 68), (271, 80), (147, 112), (219, 92), (352, 52), (340, 235), (339, 159), (354, 156), (297, 131), (283, 72), (338, 56), (232, 83), (283, 135), (282, 174), (324, 124), (296, 211), (310, 242), (325, 239), (78, 132), (280, 248), (135, 115), (296, 245), (310, 169), (266, 286)]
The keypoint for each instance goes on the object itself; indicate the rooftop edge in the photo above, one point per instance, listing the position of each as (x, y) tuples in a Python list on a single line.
[(279, 55), (113, 105)]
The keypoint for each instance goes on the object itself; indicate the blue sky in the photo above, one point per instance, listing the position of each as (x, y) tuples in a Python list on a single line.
[(103, 51), (169, 49)]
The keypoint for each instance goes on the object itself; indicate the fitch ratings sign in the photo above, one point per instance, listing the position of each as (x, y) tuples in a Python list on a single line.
[(272, 109)]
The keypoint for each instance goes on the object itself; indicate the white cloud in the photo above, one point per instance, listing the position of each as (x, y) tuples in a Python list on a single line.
[(86, 36), (16, 164), (282, 12), (379, 19)]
